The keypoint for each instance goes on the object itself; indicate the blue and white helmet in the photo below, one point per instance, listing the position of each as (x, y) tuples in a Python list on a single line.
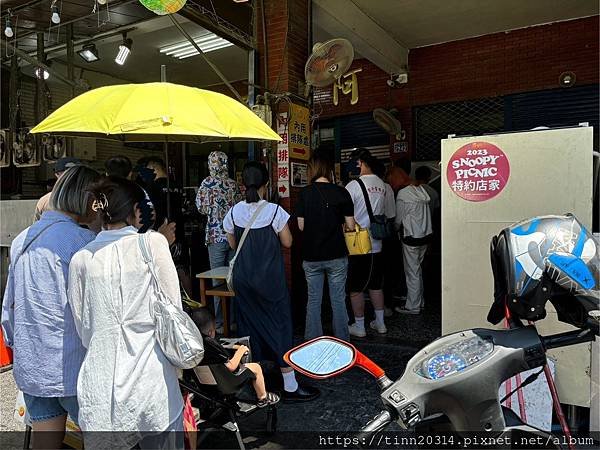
[(558, 248)]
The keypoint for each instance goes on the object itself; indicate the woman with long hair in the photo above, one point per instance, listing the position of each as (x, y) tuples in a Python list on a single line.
[(126, 384), (323, 209), (37, 321), (259, 281)]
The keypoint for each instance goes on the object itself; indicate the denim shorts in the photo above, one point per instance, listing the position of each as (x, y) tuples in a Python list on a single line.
[(46, 408)]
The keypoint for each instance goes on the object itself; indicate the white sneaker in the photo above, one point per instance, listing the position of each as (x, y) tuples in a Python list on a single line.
[(379, 327), (357, 331), (388, 312), (403, 310)]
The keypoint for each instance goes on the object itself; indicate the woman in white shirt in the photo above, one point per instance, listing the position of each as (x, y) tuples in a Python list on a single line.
[(261, 292), (126, 384)]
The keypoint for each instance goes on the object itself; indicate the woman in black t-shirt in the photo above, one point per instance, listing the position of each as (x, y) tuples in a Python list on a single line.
[(323, 209)]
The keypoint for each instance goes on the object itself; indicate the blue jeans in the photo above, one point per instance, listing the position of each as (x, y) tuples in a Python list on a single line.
[(219, 255), (336, 271), (46, 408)]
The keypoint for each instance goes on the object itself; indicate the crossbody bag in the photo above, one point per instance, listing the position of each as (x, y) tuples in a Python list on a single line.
[(381, 228)]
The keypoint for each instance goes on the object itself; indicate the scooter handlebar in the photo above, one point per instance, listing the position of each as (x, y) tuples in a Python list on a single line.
[(377, 424)]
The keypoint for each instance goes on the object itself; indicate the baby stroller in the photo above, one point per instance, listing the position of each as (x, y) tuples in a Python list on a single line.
[(222, 396)]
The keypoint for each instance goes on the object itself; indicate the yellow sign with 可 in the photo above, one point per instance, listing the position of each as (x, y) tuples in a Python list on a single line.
[(299, 132), (348, 84)]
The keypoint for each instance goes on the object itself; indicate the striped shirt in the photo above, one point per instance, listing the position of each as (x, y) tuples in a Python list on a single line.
[(36, 318)]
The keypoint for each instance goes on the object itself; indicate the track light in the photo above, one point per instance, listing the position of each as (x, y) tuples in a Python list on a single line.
[(55, 14), (89, 53), (41, 74), (8, 31), (124, 51)]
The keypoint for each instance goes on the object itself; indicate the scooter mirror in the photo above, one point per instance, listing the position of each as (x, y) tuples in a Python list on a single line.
[(322, 357)]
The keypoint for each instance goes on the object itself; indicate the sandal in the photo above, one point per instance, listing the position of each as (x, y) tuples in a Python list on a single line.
[(270, 399)]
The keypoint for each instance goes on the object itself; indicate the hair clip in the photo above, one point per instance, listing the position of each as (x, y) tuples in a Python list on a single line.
[(100, 204)]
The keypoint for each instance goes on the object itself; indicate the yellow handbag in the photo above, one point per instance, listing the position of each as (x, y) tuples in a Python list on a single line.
[(358, 241)]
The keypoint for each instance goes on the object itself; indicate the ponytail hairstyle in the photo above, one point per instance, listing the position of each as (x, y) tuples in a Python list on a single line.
[(115, 200), (254, 176)]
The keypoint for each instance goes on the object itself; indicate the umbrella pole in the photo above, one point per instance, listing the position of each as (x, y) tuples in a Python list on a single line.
[(166, 145), (163, 79)]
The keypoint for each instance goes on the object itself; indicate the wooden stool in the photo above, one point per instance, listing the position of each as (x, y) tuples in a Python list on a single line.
[(218, 289)]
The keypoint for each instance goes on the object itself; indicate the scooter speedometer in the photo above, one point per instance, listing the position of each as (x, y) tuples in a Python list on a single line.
[(452, 358), (443, 365)]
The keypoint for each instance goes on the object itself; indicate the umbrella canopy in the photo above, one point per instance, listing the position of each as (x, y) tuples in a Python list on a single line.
[(156, 112)]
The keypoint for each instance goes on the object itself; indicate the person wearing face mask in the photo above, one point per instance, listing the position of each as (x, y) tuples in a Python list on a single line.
[(126, 384), (365, 272), (216, 195)]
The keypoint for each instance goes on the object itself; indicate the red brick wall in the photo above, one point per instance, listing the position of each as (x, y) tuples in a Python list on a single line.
[(498, 64), (287, 51), (287, 43)]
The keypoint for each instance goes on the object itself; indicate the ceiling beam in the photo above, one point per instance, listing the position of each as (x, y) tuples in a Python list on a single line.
[(16, 9), (197, 14), (112, 4), (342, 18)]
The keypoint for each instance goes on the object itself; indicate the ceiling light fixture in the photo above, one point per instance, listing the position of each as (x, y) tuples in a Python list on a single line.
[(124, 50), (207, 42), (55, 13), (8, 31), (89, 53), (41, 73)]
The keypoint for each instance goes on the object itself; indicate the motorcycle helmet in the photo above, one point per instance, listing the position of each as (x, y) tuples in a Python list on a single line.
[(546, 258)]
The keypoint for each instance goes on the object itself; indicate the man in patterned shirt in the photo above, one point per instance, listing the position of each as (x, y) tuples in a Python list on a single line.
[(216, 195)]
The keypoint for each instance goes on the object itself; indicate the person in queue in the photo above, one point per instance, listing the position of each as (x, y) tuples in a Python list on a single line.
[(413, 219), (259, 280), (365, 272), (216, 195), (37, 321), (126, 384), (323, 209), (60, 167), (422, 178), (168, 203), (120, 166)]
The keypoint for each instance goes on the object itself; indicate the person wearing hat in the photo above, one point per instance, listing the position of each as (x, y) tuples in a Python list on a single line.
[(59, 168)]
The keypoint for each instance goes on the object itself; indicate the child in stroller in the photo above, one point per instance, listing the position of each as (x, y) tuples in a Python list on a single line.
[(215, 353)]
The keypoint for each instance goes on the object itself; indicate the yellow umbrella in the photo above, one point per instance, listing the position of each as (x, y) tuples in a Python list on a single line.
[(156, 112)]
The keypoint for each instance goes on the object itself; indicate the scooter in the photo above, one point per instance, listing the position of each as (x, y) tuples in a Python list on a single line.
[(452, 384)]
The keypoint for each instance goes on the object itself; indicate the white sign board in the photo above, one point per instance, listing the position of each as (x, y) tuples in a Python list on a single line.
[(542, 172)]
